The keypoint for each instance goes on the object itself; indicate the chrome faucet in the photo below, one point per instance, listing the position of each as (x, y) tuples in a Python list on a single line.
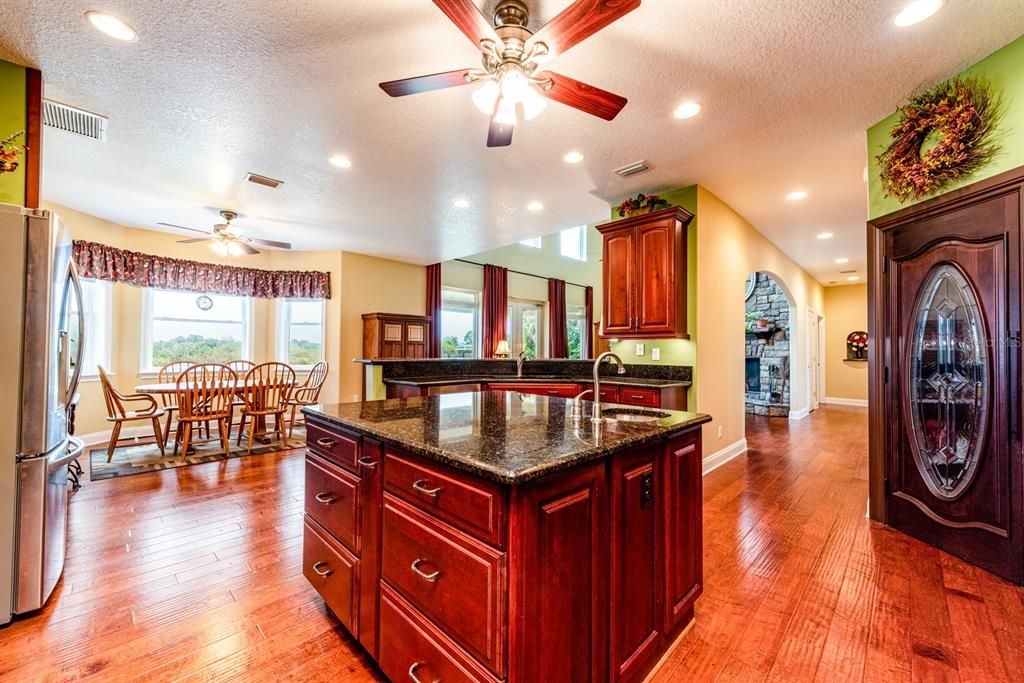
[(595, 416), (519, 364)]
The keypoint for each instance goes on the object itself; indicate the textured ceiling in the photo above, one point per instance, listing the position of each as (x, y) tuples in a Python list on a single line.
[(215, 89)]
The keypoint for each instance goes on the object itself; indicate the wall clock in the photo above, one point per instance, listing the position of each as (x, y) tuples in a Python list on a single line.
[(204, 303)]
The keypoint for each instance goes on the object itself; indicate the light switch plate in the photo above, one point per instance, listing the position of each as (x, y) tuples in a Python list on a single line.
[(655, 353), (639, 349)]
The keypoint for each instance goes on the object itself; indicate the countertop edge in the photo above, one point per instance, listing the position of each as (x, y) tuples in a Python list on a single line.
[(647, 382)]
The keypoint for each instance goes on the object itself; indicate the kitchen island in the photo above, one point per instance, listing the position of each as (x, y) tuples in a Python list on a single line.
[(497, 536)]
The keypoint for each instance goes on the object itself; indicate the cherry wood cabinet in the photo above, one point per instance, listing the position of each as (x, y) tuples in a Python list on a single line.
[(644, 275), (394, 335)]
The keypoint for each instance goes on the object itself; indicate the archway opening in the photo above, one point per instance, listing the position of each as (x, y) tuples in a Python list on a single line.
[(768, 347)]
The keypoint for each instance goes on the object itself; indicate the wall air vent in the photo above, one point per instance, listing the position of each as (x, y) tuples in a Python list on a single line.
[(74, 120), (632, 169), (847, 272), (263, 180)]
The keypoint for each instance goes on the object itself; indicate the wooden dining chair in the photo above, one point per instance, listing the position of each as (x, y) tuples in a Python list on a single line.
[(168, 374), (268, 387), (241, 368), (204, 394), (119, 414), (307, 393)]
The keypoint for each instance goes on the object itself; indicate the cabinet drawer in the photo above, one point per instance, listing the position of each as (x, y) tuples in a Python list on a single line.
[(477, 507), (559, 390), (456, 581), (413, 647), (608, 394), (640, 397), (331, 500), (337, 445), (334, 572)]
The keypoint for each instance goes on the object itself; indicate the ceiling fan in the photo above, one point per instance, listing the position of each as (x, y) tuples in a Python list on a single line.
[(227, 239), (512, 56)]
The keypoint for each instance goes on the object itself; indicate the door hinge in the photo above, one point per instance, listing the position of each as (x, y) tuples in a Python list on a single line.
[(646, 490), (886, 375), (885, 265), (885, 485)]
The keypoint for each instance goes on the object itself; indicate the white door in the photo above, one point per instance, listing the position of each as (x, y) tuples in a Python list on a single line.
[(812, 360)]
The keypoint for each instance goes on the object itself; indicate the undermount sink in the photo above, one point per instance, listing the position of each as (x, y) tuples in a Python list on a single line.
[(632, 415)]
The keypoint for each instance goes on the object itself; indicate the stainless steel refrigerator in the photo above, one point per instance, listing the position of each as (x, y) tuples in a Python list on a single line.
[(41, 344)]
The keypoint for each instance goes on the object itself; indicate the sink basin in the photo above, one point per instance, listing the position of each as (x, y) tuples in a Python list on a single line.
[(632, 415)]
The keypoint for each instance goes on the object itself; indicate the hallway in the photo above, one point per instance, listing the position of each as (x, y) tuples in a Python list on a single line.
[(193, 574)]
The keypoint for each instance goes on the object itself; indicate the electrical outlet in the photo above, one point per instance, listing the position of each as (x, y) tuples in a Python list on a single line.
[(655, 353), (719, 431), (639, 349), (355, 397)]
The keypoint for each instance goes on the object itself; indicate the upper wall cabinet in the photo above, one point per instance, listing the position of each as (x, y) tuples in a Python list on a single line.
[(644, 271), (395, 335)]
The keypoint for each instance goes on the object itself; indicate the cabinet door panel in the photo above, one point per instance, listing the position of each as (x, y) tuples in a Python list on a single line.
[(619, 277), (683, 528), (416, 335), (656, 289)]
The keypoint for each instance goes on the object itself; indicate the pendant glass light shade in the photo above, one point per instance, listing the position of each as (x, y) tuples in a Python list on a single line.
[(533, 103), (486, 96), (220, 247), (514, 85), (506, 112)]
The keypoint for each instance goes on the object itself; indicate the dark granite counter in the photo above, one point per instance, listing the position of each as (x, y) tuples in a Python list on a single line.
[(611, 380), (502, 436)]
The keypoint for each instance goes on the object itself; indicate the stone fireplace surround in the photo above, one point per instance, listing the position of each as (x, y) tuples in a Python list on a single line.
[(770, 349)]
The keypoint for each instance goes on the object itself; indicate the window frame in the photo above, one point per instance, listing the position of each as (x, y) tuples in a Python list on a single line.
[(105, 355), (477, 314), (514, 327), (146, 366), (284, 328), (580, 244)]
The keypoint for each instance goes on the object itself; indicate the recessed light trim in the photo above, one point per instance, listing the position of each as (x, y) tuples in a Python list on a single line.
[(796, 195), (461, 203), (534, 206), (842, 260), (687, 110), (110, 25), (824, 235), (340, 161), (916, 12), (573, 157)]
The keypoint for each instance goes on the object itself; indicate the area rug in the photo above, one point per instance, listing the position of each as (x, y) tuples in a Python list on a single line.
[(131, 458)]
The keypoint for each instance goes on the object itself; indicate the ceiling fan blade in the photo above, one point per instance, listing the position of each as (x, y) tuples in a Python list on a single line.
[(193, 240), (412, 86), (467, 17), (582, 96), (182, 227), (246, 248), (269, 243), (499, 134), (579, 21)]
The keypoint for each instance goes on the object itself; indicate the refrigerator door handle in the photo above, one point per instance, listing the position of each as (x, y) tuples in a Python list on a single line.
[(75, 448), (76, 286)]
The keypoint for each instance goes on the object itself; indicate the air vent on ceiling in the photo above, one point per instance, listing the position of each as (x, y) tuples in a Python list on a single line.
[(847, 272), (263, 180), (74, 120), (633, 169)]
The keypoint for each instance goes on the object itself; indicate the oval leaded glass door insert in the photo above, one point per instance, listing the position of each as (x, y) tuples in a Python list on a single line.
[(948, 382)]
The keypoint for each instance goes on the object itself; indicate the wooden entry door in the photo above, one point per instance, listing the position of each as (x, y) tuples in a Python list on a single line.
[(950, 292)]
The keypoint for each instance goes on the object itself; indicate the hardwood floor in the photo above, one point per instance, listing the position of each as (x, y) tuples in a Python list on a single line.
[(193, 574)]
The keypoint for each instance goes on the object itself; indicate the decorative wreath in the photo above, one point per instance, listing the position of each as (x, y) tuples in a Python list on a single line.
[(963, 113)]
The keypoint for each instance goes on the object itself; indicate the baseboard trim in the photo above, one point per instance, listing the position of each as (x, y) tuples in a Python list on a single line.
[(799, 414), (836, 401), (719, 458), (103, 438)]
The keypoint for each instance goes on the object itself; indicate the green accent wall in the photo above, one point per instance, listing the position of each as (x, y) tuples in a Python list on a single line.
[(1004, 69), (12, 119)]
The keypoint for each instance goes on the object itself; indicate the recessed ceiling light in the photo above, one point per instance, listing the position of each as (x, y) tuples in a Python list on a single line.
[(916, 12), (686, 110), (824, 235), (341, 161), (842, 260), (112, 26), (853, 278), (534, 206), (461, 203), (796, 195), (573, 157)]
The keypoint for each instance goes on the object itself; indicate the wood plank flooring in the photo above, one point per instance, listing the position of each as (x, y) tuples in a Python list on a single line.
[(194, 574)]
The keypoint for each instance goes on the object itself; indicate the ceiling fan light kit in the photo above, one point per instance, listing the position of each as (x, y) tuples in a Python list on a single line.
[(227, 239), (511, 82)]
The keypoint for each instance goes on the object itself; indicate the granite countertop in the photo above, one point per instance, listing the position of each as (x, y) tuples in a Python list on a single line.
[(502, 436), (512, 379)]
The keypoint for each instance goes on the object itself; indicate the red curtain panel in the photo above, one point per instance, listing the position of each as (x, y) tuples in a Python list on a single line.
[(588, 303), (495, 305), (434, 309), (558, 347)]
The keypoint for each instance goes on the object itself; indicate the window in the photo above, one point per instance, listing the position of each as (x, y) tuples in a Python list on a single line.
[(532, 242), (176, 327), (301, 341), (574, 243), (576, 330), (96, 304), (460, 329), (526, 328)]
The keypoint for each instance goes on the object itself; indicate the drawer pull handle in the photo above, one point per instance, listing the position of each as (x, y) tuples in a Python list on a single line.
[(636, 396), (322, 572), (325, 497), (431, 577), (367, 462), (421, 486), (412, 673), (326, 443)]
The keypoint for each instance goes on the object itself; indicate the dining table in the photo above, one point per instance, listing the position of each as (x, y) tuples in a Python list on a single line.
[(167, 388)]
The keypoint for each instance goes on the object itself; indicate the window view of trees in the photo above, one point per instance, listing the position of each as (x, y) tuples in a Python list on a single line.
[(574, 333), (453, 347), (302, 352), (196, 348), (199, 328)]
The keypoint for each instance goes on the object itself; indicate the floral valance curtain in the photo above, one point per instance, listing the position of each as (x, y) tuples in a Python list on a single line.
[(103, 262)]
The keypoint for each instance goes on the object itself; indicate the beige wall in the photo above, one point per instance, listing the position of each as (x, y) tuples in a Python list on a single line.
[(846, 310), (728, 250)]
